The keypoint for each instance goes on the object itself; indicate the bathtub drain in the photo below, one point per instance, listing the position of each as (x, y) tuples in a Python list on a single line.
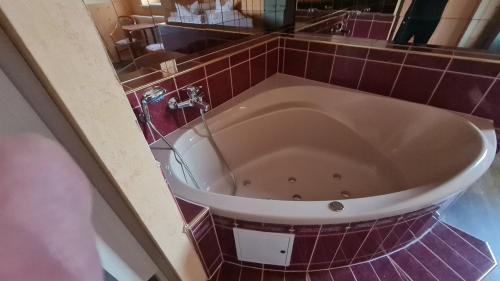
[(292, 179), (337, 176)]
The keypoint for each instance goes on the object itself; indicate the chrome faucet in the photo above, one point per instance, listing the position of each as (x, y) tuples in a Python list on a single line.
[(195, 100)]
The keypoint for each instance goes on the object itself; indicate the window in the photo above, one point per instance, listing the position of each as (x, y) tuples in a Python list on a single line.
[(151, 2)]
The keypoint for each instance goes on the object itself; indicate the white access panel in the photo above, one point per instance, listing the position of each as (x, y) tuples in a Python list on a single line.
[(263, 247)]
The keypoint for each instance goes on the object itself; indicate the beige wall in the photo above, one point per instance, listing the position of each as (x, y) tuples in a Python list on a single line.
[(73, 66)]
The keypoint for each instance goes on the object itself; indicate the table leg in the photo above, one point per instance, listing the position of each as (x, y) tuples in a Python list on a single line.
[(131, 44)]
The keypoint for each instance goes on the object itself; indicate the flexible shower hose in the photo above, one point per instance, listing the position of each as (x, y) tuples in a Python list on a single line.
[(218, 152)]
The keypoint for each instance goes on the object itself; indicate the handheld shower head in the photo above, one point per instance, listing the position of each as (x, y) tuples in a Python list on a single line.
[(151, 96)]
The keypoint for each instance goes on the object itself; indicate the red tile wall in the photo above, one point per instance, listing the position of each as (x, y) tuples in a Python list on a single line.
[(468, 85)]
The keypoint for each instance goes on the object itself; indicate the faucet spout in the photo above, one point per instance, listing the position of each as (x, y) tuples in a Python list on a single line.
[(195, 100)]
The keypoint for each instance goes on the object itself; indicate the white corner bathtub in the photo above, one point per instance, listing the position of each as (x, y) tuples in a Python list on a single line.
[(289, 138)]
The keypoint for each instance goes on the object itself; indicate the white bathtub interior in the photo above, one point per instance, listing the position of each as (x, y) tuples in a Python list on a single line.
[(295, 139)]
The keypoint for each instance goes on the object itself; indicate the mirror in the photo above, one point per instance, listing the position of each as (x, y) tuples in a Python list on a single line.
[(150, 39), (155, 37), (472, 24)]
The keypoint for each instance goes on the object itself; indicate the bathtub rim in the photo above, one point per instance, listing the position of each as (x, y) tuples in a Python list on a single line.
[(317, 212)]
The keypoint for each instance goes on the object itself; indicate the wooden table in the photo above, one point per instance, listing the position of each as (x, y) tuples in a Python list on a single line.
[(130, 28)]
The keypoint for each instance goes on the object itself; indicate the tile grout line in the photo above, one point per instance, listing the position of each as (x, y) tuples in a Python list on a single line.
[(363, 242), (339, 246), (307, 59), (453, 249), (363, 69), (399, 269), (460, 236), (397, 75), (439, 81), (314, 247), (216, 235), (421, 264), (486, 93), (330, 79), (376, 274), (353, 275), (381, 244), (439, 258)]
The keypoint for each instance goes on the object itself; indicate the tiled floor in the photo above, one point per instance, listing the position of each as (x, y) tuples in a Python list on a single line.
[(445, 253)]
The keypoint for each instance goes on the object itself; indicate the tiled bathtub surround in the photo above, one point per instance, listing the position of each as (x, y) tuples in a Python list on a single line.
[(221, 79), (328, 246), (468, 85), (443, 254)]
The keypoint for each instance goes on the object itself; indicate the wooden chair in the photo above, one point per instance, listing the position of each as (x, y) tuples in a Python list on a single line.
[(121, 41)]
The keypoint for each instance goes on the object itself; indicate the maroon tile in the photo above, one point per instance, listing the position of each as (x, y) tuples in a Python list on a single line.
[(296, 44), (383, 17), (350, 26), (272, 45), (323, 275), (489, 106), (354, 52), (295, 63), (302, 249), (258, 69), (385, 270), (202, 227), (239, 57), (217, 66), (220, 89), (280, 60), (273, 275), (423, 224), (319, 67), (342, 274), (272, 63), (361, 29), (378, 77), (250, 274), (146, 131), (189, 210), (365, 16), (190, 77), (241, 78), (372, 243), (386, 56), (295, 276), (475, 257), (209, 248), (193, 113), (218, 220), (346, 72), (282, 43), (229, 272), (411, 266), (322, 48), (226, 239), (481, 246), (258, 50), (380, 30), (458, 263), (352, 242), (430, 261), (460, 92), (364, 271), (132, 99), (416, 84), (325, 250), (427, 61), (475, 67), (164, 119)]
